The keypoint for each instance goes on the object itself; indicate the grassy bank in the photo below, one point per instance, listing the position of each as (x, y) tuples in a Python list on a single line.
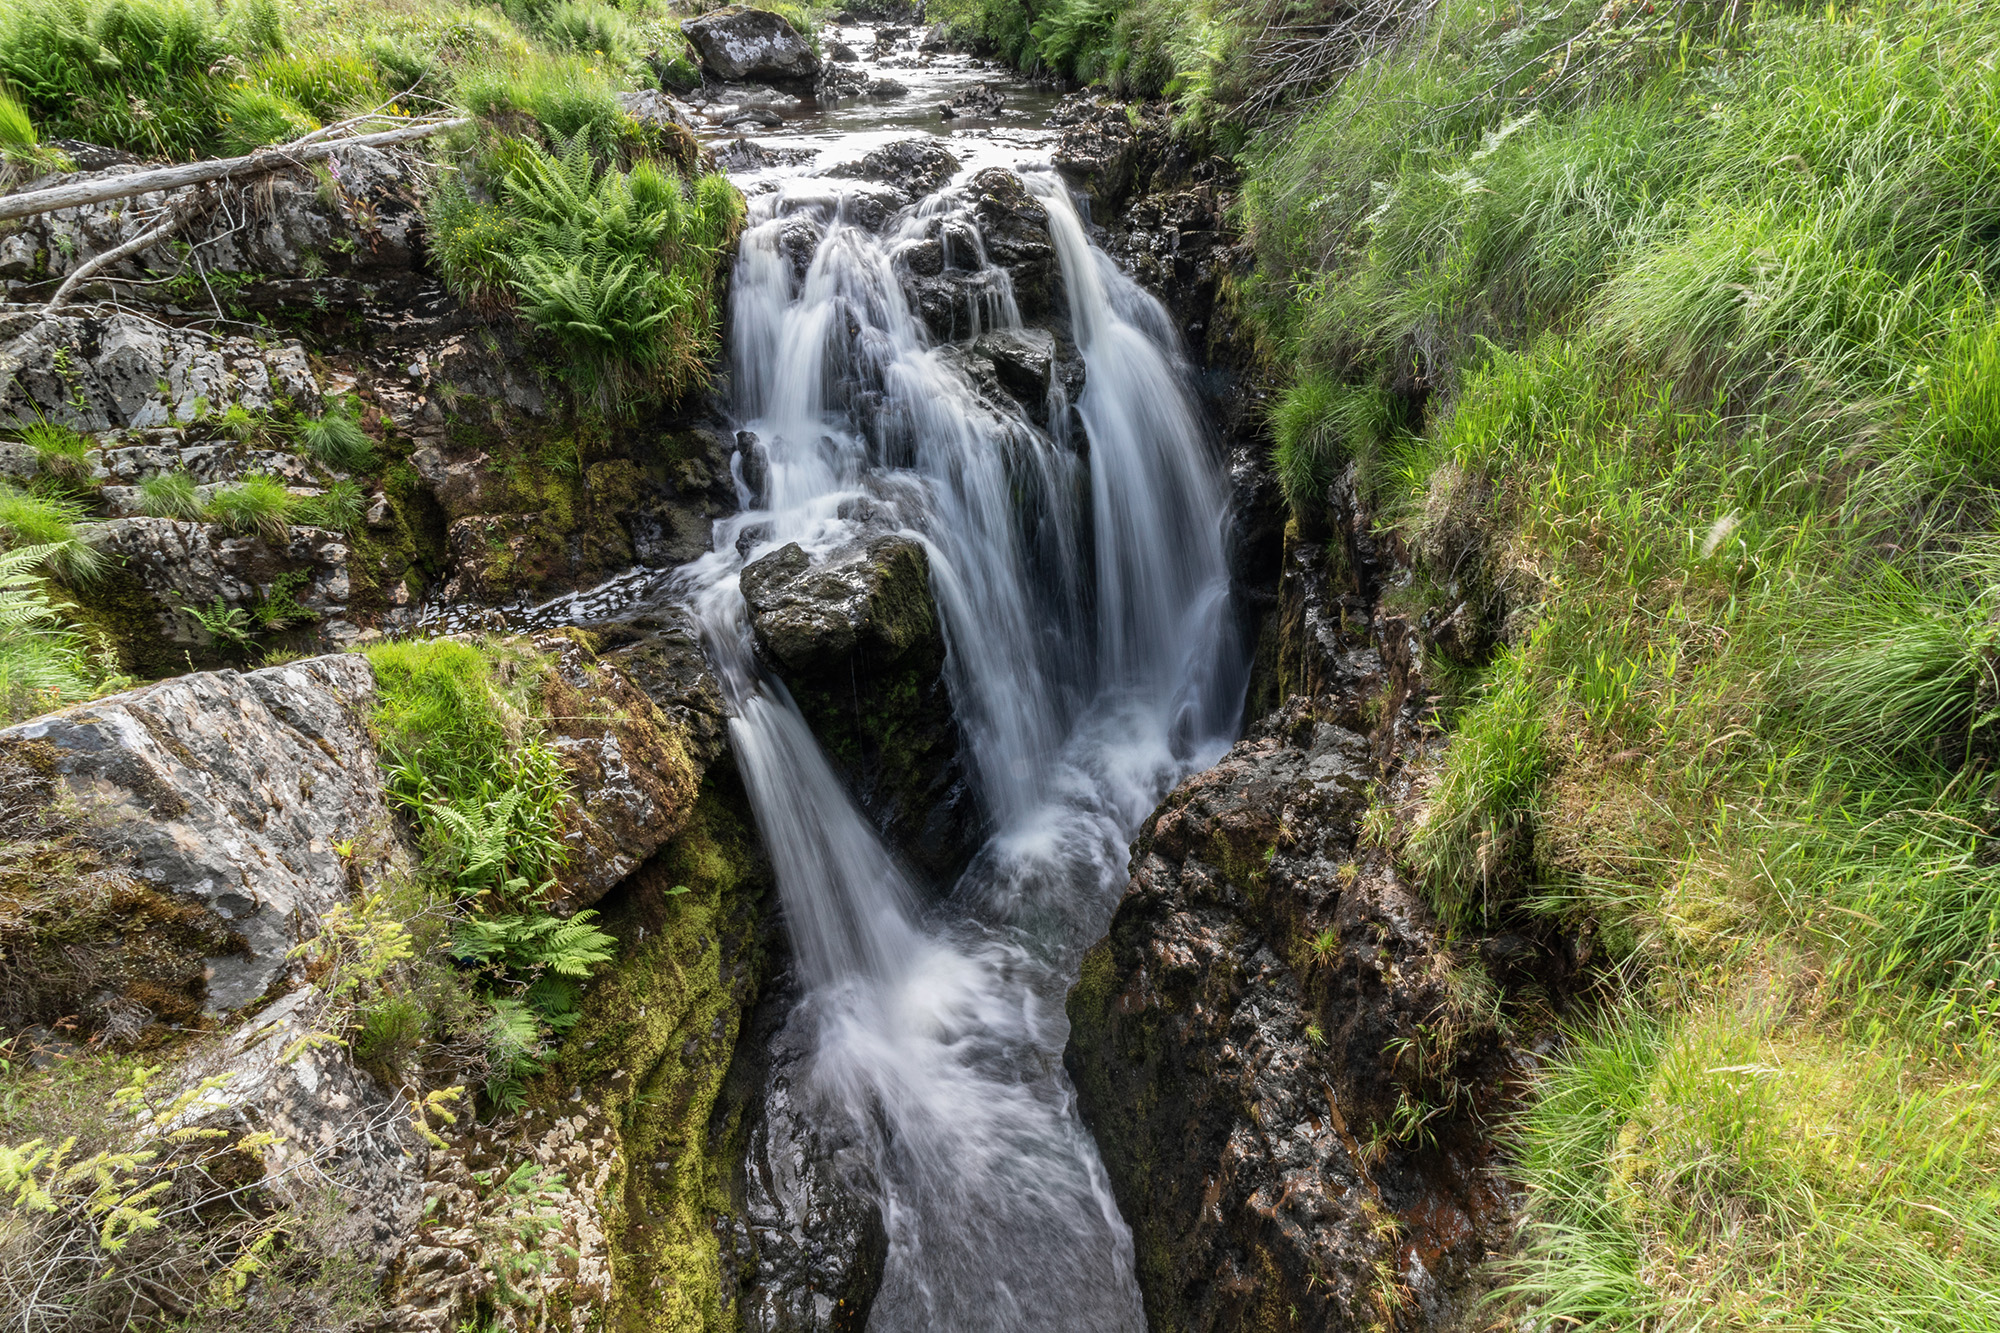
[(1664, 338)]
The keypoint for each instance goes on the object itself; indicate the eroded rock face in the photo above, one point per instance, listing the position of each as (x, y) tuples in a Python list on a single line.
[(96, 374), (230, 792), (857, 638), (1246, 1027), (179, 564), (736, 43), (347, 238), (337, 1126)]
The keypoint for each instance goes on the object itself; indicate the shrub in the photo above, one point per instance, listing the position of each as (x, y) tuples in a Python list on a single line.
[(170, 495), (565, 97), (257, 505), (336, 439)]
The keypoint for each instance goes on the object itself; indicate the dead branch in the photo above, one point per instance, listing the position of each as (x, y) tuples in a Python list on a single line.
[(97, 263), (312, 148)]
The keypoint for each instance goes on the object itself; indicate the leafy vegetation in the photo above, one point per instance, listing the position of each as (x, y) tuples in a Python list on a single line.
[(465, 754), (617, 266), (1683, 320)]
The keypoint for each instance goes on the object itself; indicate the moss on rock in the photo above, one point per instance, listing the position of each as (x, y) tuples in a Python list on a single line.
[(656, 1038)]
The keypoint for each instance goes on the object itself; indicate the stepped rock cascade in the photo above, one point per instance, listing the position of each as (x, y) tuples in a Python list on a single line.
[(1092, 662)]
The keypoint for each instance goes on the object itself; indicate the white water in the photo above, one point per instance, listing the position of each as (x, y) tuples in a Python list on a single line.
[(1090, 663)]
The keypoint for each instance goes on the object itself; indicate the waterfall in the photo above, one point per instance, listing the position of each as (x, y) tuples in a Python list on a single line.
[(1090, 663)]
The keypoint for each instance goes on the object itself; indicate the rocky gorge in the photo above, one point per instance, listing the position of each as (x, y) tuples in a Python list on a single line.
[(1250, 1070)]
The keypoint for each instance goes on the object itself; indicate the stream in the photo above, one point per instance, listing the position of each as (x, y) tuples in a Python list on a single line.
[(1091, 658)]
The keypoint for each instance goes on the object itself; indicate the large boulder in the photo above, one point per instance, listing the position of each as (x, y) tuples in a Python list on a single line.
[(1270, 997), (337, 1132), (858, 640), (735, 43), (635, 781), (232, 795)]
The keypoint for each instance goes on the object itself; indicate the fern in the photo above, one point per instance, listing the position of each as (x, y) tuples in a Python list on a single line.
[(42, 660)]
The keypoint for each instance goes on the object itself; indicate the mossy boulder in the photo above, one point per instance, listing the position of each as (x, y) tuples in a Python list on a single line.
[(857, 639)]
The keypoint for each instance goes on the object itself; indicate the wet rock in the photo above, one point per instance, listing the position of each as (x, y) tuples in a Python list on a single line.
[(760, 117), (810, 1242), (230, 791), (1015, 229), (1024, 361), (738, 44), (1239, 1035), (858, 640), (981, 103), (741, 154), (843, 53), (1098, 148), (839, 81), (661, 654), (916, 167), (886, 89)]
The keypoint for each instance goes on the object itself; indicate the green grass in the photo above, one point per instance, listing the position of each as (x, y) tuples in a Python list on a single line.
[(335, 438), (340, 507), (51, 524), (255, 506), (1691, 362), (63, 454), (170, 495)]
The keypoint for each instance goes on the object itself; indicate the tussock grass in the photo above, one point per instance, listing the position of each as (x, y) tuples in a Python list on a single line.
[(1705, 349), (257, 505), (336, 439), (170, 495)]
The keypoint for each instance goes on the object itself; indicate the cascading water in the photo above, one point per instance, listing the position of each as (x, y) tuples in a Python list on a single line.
[(1091, 663)]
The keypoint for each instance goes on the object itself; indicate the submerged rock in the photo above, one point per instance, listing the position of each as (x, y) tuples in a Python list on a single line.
[(735, 43), (858, 640)]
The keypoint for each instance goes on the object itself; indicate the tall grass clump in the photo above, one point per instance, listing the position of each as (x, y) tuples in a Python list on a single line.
[(170, 495), (1695, 335), (616, 266), (336, 439), (255, 506), (50, 524), (147, 75)]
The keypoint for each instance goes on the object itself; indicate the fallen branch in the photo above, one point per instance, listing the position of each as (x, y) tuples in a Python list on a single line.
[(311, 148), (97, 263)]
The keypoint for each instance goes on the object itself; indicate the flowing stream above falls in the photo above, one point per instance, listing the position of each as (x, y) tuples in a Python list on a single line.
[(1092, 660)]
